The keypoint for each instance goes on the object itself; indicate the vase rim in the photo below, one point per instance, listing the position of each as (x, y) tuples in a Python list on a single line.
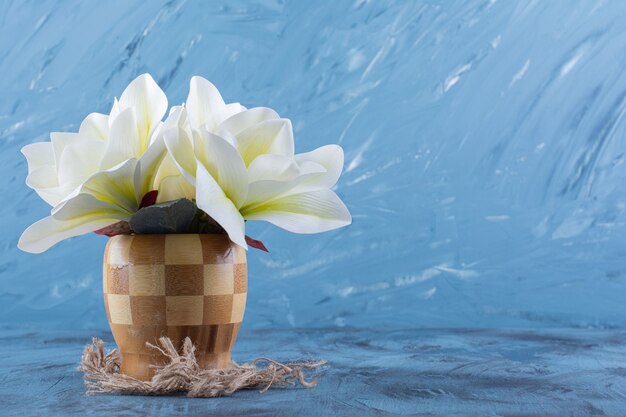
[(172, 234)]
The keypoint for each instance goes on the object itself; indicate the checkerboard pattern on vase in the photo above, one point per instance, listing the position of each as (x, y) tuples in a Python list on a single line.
[(178, 285)]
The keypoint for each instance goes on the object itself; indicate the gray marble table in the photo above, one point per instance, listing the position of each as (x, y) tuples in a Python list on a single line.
[(371, 372)]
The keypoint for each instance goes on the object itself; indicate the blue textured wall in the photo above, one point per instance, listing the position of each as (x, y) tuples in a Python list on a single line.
[(484, 151)]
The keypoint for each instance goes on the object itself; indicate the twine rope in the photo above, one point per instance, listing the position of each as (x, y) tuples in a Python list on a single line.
[(183, 375)]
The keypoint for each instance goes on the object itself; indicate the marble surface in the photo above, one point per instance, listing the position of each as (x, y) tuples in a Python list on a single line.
[(484, 140), (435, 372)]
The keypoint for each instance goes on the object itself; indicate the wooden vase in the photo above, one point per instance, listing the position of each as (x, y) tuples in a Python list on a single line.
[(178, 285)]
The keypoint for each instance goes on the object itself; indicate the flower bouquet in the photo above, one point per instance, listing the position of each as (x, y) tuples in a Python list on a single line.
[(174, 195)]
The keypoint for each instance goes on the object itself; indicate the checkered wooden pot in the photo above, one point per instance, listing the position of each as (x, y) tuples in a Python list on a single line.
[(177, 286)]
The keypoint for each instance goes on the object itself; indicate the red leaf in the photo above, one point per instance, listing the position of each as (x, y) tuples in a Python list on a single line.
[(149, 199), (119, 228), (257, 244)]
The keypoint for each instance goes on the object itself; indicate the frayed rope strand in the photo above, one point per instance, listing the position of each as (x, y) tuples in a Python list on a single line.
[(183, 375)]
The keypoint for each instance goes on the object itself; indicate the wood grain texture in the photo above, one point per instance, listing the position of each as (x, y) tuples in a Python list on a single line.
[(174, 285)]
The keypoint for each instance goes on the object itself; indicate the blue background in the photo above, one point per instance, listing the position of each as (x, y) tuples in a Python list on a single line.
[(484, 149)]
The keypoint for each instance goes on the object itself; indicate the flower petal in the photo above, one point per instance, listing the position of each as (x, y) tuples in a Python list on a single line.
[(331, 158), (95, 126), (115, 186), (175, 187), (248, 118), (148, 168), (264, 191), (115, 111), (224, 163), (309, 212), (268, 137), (60, 140), (213, 201), (150, 104), (43, 177), (123, 141), (168, 168), (80, 215), (180, 149), (77, 157), (178, 117), (79, 161), (84, 204), (231, 110), (47, 232), (272, 167), (44, 181), (205, 104), (38, 154)]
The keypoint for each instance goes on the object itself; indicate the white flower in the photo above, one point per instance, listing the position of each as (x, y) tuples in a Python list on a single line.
[(57, 167), (204, 109), (238, 164), (244, 168), (98, 176)]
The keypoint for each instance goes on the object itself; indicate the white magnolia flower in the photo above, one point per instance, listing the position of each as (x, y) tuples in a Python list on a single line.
[(204, 109), (98, 176), (244, 168), (238, 164), (290, 192), (58, 167)]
